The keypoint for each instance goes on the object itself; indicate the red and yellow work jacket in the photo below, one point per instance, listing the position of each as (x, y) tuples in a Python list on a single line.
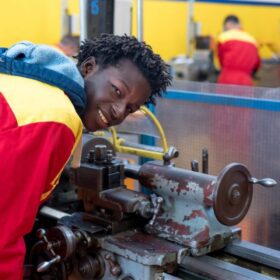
[(39, 131), (238, 57)]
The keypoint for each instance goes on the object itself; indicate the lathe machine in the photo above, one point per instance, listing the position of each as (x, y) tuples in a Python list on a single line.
[(94, 227)]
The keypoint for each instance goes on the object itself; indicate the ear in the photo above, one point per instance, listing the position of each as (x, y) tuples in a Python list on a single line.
[(88, 66)]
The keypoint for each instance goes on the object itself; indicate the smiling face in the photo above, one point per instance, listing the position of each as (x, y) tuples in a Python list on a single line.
[(112, 93)]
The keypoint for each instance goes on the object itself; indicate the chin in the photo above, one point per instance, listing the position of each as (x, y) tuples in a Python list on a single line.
[(90, 127)]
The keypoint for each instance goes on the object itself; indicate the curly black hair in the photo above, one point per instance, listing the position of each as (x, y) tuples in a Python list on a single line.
[(108, 49)]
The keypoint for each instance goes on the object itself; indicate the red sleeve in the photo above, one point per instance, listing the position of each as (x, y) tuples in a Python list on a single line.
[(220, 53), (31, 157)]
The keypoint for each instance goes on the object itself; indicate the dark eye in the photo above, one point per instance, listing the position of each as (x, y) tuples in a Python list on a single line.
[(117, 91), (129, 110)]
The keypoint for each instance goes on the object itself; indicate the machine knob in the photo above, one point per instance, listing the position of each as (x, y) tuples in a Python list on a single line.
[(44, 266), (265, 182), (171, 153), (41, 233), (115, 268)]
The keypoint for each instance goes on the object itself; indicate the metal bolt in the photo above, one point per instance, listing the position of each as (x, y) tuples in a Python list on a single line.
[(115, 269), (234, 194), (91, 156)]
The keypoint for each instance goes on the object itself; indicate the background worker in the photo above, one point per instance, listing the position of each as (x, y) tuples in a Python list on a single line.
[(44, 102), (237, 53), (69, 45)]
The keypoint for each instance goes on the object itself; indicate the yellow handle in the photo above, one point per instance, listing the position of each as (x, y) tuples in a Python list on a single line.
[(120, 147)]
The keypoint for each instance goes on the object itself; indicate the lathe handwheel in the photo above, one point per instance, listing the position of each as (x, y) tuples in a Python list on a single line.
[(233, 194), (65, 239)]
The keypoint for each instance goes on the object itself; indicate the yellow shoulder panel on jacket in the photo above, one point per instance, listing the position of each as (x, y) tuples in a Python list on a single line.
[(235, 34), (48, 103)]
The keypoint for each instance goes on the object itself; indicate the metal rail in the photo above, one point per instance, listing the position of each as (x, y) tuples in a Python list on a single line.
[(255, 252), (216, 268), (207, 267)]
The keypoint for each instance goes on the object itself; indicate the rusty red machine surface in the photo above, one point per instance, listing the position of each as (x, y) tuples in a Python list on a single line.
[(95, 228)]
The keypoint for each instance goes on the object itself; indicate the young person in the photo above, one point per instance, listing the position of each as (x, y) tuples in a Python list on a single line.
[(45, 100), (237, 53)]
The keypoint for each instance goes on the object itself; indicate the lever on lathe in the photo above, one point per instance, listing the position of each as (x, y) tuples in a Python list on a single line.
[(171, 153), (265, 182), (44, 266), (61, 242), (157, 201)]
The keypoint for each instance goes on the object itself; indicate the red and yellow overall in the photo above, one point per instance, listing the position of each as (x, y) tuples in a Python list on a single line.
[(39, 131), (238, 56)]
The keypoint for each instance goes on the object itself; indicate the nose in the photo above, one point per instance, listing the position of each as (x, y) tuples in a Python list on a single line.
[(118, 111)]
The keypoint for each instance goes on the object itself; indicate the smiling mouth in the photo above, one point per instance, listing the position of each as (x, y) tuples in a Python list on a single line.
[(102, 117)]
